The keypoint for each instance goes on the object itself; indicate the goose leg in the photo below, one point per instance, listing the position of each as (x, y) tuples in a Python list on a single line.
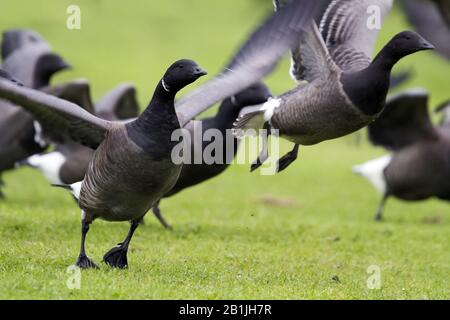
[(264, 154), (117, 256), (288, 159), (379, 214), (157, 212), (83, 261)]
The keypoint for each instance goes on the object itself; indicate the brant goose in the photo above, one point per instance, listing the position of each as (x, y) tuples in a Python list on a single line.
[(131, 168), (345, 90), (69, 161), (426, 18), (138, 153), (419, 168), (193, 174), (27, 57)]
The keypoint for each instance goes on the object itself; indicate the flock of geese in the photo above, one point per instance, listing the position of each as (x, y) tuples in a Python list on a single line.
[(117, 162)]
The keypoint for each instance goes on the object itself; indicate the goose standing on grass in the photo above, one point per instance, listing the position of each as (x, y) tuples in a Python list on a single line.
[(427, 19), (194, 174), (68, 163), (28, 58), (345, 90), (419, 168), (132, 166)]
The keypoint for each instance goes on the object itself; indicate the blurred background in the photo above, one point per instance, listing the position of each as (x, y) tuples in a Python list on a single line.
[(240, 235)]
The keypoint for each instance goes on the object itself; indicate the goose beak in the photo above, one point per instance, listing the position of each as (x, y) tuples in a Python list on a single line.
[(200, 72), (65, 65), (425, 45)]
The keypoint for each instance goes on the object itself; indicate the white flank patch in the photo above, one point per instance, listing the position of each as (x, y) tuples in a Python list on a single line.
[(38, 138), (76, 189), (374, 172), (269, 108), (49, 164)]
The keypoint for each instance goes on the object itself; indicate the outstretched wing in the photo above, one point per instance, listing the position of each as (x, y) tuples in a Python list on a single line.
[(256, 58), (428, 21), (297, 66), (404, 121), (350, 29), (444, 6), (61, 116), (118, 104)]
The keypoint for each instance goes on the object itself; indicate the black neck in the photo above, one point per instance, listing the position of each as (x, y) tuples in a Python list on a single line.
[(385, 60), (368, 88), (153, 129), (160, 108)]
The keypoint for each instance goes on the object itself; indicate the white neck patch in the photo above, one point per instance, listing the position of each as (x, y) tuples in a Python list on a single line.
[(233, 100), (165, 86)]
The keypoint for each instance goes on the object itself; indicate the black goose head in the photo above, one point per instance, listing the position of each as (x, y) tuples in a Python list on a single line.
[(46, 66), (406, 43), (180, 74)]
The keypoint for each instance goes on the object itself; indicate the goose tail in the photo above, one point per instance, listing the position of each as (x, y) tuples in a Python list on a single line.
[(74, 188), (373, 171), (254, 117)]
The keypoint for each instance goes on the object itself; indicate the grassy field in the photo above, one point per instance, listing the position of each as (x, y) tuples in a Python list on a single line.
[(306, 233)]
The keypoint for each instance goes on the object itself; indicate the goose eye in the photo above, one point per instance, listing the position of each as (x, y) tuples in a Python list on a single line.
[(181, 66)]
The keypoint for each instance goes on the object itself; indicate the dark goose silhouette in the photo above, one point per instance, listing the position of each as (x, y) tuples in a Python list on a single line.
[(419, 167), (194, 174), (344, 89), (28, 58), (132, 167)]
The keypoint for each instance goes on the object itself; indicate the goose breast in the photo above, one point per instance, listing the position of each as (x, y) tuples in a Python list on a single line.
[(123, 182)]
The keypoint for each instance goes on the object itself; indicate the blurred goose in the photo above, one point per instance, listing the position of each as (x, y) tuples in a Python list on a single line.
[(68, 163), (118, 104), (429, 21), (345, 90), (138, 153), (28, 58), (193, 174), (419, 168)]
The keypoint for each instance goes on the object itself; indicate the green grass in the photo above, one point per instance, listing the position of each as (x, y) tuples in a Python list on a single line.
[(241, 235)]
